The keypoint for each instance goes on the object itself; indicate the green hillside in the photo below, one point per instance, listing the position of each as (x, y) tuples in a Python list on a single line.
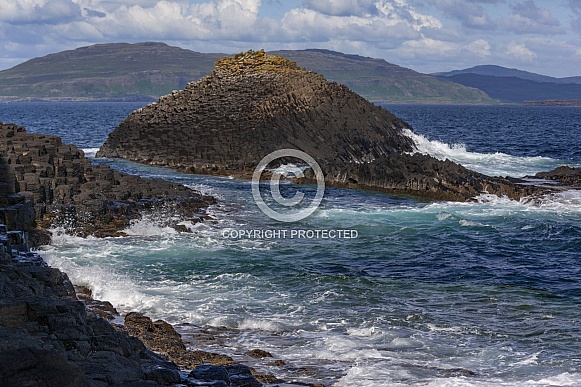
[(146, 71), (106, 71), (380, 81)]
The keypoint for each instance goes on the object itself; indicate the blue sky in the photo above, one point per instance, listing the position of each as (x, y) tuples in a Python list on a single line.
[(425, 35)]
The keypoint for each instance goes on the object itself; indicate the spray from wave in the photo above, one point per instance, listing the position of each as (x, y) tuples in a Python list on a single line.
[(90, 152), (492, 164)]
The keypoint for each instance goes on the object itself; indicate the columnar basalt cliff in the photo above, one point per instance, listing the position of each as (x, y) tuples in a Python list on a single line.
[(66, 189), (254, 103), (48, 338), (52, 335)]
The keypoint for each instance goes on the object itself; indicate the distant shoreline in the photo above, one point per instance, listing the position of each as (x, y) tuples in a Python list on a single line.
[(554, 102)]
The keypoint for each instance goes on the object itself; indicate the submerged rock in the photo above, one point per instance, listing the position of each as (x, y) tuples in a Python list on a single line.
[(254, 103)]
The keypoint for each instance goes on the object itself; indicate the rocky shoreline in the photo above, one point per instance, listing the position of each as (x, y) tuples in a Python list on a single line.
[(55, 335), (67, 190)]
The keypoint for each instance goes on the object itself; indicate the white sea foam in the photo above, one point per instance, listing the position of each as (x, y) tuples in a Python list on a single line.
[(260, 325), (289, 170), (481, 212), (493, 164), (372, 374), (90, 152), (146, 227), (364, 332), (104, 283)]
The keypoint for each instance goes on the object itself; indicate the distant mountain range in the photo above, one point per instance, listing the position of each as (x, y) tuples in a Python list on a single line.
[(146, 71), (515, 86), (380, 81)]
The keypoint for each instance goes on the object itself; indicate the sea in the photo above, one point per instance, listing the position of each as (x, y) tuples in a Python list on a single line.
[(483, 293)]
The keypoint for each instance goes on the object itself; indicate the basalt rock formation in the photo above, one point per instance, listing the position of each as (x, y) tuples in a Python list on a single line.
[(66, 189), (254, 103), (565, 175), (48, 338)]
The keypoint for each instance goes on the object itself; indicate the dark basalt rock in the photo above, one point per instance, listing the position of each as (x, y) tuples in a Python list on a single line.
[(564, 175), (47, 338), (66, 189), (424, 176), (254, 103), (163, 338), (251, 105), (259, 353)]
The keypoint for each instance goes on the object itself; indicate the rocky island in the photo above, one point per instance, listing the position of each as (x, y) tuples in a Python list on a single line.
[(254, 103)]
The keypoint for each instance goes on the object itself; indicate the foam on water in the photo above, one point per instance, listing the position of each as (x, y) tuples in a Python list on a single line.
[(378, 375), (145, 226), (492, 164), (485, 206), (90, 152), (104, 282)]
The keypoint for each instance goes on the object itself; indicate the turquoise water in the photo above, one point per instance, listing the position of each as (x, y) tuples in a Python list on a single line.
[(491, 286)]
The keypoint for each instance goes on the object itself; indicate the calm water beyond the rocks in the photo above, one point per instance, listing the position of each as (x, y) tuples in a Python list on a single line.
[(426, 293)]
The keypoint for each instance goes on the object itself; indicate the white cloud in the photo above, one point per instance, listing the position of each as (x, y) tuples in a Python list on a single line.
[(342, 7), (428, 49), (528, 18), (520, 52), (479, 47), (468, 12), (369, 21), (39, 11), (223, 19)]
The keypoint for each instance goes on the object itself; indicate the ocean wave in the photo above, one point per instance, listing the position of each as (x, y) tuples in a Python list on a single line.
[(484, 206), (492, 164), (105, 283), (147, 226)]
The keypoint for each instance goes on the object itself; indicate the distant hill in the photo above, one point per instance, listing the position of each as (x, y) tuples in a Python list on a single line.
[(499, 71), (141, 71), (378, 80), (146, 71), (516, 86)]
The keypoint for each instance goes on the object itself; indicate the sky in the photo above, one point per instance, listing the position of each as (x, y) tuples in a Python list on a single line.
[(425, 35)]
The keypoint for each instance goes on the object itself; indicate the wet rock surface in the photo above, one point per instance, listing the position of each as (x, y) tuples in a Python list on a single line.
[(66, 189), (565, 175), (254, 103), (206, 366), (48, 338)]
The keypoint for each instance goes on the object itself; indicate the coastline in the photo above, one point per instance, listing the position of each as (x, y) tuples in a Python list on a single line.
[(21, 200), (54, 334)]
